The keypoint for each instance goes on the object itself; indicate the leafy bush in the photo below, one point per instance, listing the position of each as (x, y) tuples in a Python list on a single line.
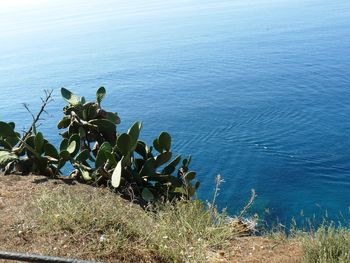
[(99, 154)]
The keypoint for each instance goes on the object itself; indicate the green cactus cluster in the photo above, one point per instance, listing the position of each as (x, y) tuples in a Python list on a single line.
[(99, 154), (90, 133), (32, 154), (153, 173)]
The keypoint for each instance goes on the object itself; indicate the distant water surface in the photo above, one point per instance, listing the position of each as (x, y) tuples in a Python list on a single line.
[(257, 91)]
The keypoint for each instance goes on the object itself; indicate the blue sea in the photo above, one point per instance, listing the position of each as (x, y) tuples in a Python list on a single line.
[(257, 91)]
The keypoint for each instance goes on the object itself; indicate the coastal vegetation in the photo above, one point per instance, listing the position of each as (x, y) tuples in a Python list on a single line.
[(328, 244), (64, 215), (98, 154), (185, 231)]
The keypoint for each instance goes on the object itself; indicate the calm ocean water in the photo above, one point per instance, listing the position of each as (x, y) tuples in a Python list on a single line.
[(257, 91)]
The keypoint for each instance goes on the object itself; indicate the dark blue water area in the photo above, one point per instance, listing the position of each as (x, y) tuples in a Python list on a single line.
[(256, 91)]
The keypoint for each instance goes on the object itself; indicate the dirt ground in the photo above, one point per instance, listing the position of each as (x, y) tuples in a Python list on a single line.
[(15, 195), (261, 249)]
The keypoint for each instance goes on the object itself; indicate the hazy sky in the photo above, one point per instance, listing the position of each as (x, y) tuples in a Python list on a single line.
[(20, 3)]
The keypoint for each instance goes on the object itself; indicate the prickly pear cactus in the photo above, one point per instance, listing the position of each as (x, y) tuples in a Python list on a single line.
[(100, 155), (153, 173), (32, 154), (90, 134)]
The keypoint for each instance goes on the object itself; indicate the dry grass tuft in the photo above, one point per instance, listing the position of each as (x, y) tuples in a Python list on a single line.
[(103, 226), (329, 244)]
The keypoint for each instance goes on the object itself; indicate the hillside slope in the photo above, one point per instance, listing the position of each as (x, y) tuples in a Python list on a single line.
[(65, 218)]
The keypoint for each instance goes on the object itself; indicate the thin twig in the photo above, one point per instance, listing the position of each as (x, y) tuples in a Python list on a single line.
[(249, 204), (26, 106), (218, 181), (212, 206), (48, 98)]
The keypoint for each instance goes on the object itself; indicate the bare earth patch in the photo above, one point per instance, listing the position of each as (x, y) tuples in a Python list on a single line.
[(261, 249), (18, 234)]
